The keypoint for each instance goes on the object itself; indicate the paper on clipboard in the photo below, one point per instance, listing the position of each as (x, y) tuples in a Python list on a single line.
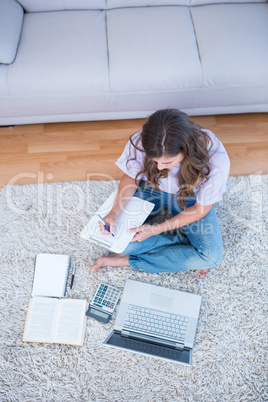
[(134, 214)]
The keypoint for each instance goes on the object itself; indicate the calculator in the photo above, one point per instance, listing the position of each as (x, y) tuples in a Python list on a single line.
[(103, 303)]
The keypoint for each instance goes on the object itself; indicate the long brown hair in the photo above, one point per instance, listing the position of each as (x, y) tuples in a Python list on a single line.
[(169, 132)]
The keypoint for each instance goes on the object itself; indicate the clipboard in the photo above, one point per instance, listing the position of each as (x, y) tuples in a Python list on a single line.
[(134, 214)]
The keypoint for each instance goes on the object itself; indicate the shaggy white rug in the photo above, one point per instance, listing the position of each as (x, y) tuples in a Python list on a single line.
[(230, 354)]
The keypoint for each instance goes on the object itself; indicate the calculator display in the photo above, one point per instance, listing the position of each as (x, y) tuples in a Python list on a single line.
[(99, 313)]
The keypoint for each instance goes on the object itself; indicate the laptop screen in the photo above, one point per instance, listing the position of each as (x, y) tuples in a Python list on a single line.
[(148, 348)]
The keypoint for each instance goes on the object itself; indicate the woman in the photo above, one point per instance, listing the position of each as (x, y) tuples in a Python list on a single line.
[(180, 167)]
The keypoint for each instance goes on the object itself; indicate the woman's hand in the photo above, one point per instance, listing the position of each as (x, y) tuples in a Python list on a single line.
[(110, 220), (143, 232)]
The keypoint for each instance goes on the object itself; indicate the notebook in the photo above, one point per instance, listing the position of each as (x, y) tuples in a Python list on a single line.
[(157, 322), (50, 275), (134, 214)]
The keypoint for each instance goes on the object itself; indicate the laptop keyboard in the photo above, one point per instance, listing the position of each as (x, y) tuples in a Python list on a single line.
[(156, 323)]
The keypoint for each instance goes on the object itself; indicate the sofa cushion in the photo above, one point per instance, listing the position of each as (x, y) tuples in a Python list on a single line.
[(210, 2), (158, 55), (60, 5), (11, 18), (62, 52), (232, 40), (143, 3)]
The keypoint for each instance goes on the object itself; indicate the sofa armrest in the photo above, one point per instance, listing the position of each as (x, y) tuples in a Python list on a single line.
[(11, 19)]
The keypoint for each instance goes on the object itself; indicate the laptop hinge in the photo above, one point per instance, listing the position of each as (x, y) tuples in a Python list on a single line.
[(179, 346), (135, 335)]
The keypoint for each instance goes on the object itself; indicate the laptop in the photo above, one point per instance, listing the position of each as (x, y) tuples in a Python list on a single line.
[(156, 321)]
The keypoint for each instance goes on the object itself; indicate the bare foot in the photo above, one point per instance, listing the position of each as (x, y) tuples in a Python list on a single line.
[(113, 260), (203, 272)]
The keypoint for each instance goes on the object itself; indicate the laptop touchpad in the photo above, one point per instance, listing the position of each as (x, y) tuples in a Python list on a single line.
[(160, 300)]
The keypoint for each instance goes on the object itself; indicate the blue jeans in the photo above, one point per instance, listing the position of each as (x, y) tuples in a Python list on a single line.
[(195, 246)]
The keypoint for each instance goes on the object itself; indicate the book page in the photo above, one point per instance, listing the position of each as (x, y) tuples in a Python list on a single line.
[(50, 276), (70, 326), (41, 319)]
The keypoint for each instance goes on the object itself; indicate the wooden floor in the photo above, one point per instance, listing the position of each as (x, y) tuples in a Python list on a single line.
[(87, 150)]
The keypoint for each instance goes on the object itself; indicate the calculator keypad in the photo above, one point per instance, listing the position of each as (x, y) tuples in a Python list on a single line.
[(106, 297)]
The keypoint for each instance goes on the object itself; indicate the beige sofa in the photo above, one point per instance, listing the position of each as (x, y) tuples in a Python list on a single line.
[(74, 60)]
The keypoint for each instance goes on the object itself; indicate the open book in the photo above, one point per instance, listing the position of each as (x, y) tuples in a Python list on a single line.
[(51, 320), (134, 214)]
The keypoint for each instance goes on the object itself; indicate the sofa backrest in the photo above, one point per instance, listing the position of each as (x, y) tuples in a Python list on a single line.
[(141, 3), (58, 5), (32, 6), (202, 2)]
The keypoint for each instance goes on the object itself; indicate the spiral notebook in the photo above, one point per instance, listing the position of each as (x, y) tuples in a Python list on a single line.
[(50, 275), (134, 214)]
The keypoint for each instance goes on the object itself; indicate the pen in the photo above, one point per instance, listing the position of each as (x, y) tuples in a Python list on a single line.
[(104, 224), (73, 273)]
